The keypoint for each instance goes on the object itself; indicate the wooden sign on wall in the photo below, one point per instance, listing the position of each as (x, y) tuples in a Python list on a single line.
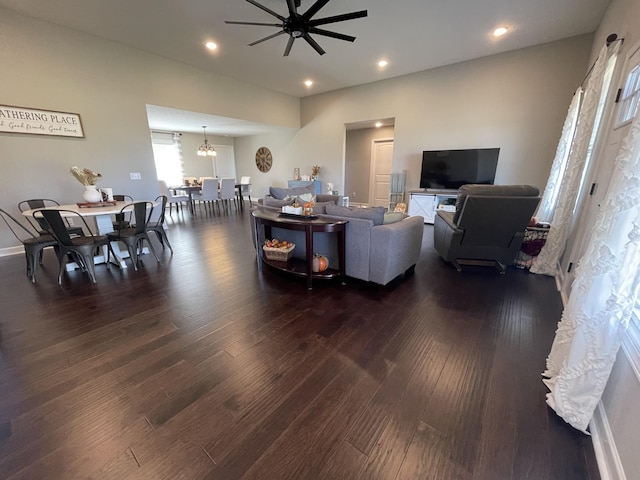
[(39, 122)]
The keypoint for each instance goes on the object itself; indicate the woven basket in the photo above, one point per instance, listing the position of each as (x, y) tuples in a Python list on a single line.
[(278, 254)]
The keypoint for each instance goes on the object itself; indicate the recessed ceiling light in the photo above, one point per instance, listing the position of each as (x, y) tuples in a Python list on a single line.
[(308, 83), (211, 45), (500, 31), (383, 63), (378, 124)]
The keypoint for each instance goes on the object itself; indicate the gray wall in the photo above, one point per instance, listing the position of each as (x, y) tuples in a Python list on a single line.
[(194, 165), (358, 161), (109, 85), (517, 101)]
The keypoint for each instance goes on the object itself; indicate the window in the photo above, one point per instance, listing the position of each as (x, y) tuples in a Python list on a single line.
[(630, 97), (167, 154), (606, 83)]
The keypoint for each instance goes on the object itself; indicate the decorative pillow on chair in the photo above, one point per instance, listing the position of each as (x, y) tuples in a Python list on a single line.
[(392, 217)]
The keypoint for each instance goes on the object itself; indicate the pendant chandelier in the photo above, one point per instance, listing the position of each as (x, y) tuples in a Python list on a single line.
[(206, 150)]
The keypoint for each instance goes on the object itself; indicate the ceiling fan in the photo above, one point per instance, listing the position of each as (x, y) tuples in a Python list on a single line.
[(302, 25)]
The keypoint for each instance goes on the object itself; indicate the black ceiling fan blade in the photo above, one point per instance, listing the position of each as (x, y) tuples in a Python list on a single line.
[(313, 9), (231, 22), (327, 33), (313, 43), (289, 45), (266, 38), (266, 9), (291, 4), (338, 18)]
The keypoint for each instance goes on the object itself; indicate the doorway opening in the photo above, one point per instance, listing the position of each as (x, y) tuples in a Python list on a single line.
[(368, 161)]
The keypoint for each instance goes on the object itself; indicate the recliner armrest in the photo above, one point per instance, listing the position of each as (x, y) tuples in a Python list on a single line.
[(448, 218)]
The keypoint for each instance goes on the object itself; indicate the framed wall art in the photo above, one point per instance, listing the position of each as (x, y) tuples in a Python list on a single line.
[(31, 121)]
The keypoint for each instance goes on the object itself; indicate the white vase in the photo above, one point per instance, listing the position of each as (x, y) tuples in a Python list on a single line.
[(91, 194)]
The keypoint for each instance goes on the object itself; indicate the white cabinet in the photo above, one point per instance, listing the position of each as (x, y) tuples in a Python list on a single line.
[(422, 204), (426, 203)]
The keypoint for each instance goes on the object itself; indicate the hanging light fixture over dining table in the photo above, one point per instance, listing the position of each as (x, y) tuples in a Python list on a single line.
[(206, 149)]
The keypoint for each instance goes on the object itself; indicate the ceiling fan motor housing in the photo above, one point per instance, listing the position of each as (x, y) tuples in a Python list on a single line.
[(296, 25)]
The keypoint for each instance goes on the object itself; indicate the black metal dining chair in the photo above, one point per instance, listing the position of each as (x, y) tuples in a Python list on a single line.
[(134, 237), (33, 243), (34, 203), (122, 220), (158, 226), (81, 249)]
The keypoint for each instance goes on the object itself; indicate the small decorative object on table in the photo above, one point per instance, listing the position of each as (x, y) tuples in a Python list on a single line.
[(88, 178), (315, 172), (319, 263), (307, 208), (292, 209), (296, 174), (278, 250)]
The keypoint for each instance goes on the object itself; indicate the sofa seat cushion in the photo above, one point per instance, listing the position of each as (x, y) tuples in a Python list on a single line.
[(281, 193), (494, 191), (375, 214)]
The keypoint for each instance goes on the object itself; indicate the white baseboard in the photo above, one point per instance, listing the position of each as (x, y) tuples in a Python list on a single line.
[(11, 251), (609, 462)]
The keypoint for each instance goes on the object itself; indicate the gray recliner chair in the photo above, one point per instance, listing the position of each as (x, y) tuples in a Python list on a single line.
[(488, 225)]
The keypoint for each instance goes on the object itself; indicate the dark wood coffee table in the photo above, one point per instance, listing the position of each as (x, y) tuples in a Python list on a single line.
[(265, 220)]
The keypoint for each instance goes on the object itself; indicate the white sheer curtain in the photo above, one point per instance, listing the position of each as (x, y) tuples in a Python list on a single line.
[(603, 296), (550, 197), (547, 261), (167, 154)]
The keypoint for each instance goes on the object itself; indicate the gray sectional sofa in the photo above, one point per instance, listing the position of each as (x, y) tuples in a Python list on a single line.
[(375, 251)]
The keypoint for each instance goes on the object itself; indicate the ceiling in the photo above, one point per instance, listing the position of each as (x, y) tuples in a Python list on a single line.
[(412, 35)]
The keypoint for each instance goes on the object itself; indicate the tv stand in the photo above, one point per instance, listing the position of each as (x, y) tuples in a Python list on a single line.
[(428, 201)]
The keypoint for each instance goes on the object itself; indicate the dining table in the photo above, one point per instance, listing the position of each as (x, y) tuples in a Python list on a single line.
[(191, 189), (101, 213)]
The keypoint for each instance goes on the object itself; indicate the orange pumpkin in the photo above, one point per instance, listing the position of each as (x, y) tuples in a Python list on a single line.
[(320, 263)]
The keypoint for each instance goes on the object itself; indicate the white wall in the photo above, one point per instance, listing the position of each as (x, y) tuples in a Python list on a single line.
[(53, 68)]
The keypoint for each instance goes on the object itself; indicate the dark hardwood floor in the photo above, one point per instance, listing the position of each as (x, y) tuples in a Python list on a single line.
[(201, 367)]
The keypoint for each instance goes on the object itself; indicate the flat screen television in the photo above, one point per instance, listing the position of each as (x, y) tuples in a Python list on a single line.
[(450, 169)]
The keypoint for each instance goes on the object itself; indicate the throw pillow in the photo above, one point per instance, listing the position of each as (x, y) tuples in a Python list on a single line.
[(280, 193), (392, 217), (273, 202), (375, 214), (321, 207), (306, 198)]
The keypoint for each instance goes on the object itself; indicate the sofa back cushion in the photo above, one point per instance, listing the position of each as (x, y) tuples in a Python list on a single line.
[(493, 191), (375, 214)]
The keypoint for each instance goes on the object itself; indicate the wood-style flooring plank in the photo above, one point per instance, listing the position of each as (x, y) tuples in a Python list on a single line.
[(202, 366)]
